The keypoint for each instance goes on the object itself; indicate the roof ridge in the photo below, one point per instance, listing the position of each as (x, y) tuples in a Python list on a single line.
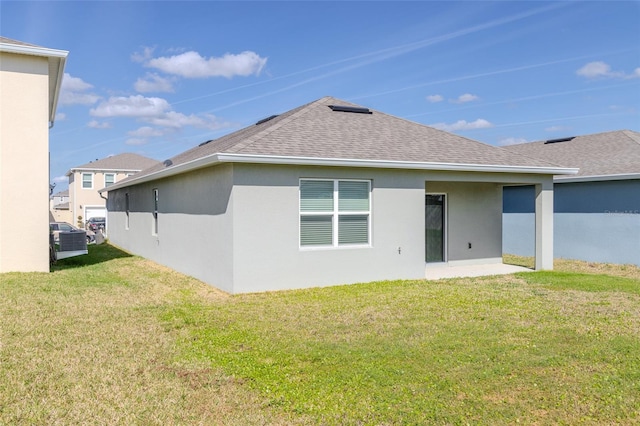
[(634, 136)]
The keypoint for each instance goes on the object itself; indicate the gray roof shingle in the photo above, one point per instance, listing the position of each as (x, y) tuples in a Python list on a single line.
[(316, 131), (600, 154), (125, 162)]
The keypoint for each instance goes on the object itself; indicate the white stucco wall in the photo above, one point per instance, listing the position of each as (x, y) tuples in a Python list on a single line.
[(236, 226), (24, 145), (266, 230), (474, 216), (195, 224)]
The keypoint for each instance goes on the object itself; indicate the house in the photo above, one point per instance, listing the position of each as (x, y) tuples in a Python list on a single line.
[(597, 211), (327, 193), (30, 79), (59, 207), (84, 182)]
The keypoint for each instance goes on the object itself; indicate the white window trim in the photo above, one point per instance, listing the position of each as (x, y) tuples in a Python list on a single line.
[(335, 216), (105, 179), (82, 179)]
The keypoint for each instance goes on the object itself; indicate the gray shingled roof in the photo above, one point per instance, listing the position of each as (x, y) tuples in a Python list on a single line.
[(122, 162), (600, 154), (316, 131)]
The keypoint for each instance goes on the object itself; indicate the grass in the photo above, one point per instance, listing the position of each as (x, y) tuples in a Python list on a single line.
[(111, 338)]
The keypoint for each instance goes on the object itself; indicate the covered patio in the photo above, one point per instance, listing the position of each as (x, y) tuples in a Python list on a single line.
[(443, 270)]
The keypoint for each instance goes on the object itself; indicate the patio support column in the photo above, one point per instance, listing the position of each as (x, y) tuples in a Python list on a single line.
[(544, 224)]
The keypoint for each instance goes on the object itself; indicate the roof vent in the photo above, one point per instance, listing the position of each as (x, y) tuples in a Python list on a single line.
[(167, 163), (344, 108), (264, 120), (206, 142), (560, 140)]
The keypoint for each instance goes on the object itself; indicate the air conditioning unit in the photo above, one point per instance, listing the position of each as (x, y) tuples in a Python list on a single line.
[(70, 244), (73, 241)]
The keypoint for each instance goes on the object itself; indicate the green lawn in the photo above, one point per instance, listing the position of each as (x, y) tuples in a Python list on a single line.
[(114, 339)]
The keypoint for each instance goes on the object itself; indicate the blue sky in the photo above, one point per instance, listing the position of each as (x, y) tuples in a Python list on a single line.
[(158, 78)]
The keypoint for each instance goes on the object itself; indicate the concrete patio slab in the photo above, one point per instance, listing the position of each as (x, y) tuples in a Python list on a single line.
[(436, 272)]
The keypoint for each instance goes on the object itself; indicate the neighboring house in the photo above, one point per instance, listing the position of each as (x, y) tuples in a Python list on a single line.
[(328, 193), (85, 201), (59, 207), (597, 212), (30, 79)]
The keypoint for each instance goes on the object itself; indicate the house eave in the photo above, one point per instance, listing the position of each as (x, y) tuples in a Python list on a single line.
[(596, 178), (33, 50), (99, 169), (57, 60), (220, 158)]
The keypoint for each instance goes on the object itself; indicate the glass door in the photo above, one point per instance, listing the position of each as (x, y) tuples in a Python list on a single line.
[(435, 227)]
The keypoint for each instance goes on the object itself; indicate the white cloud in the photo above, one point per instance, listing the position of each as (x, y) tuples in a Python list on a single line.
[(480, 123), (174, 119), (192, 65), (435, 98), (74, 91), (60, 179), (61, 116), (557, 128), (95, 124), (145, 132), (511, 141), (467, 97), (153, 83), (599, 69), (135, 141), (145, 55), (132, 106)]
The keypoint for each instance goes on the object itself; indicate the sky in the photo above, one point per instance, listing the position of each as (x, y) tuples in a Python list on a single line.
[(159, 77)]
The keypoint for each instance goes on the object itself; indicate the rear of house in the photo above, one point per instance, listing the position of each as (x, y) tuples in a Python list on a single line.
[(328, 193)]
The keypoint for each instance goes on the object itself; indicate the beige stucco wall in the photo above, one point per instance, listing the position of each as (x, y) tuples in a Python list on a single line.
[(24, 145)]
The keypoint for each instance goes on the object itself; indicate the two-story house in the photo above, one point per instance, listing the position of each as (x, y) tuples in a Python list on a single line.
[(30, 81), (59, 207), (84, 182)]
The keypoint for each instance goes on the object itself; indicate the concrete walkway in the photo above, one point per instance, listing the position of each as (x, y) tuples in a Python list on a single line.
[(436, 272)]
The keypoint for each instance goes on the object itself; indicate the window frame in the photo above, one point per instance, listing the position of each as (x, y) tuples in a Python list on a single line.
[(127, 207), (154, 229), (82, 175), (335, 215), (112, 182)]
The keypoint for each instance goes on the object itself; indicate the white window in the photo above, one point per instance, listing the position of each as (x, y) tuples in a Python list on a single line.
[(109, 179), (335, 213), (87, 180)]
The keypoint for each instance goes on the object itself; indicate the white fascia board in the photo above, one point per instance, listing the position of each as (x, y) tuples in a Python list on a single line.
[(33, 50), (596, 178), (336, 162), (389, 164), (99, 169), (58, 86)]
